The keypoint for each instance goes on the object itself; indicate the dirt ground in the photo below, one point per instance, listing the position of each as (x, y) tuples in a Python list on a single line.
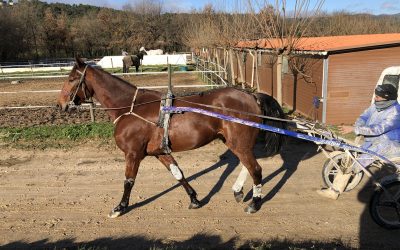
[(60, 198)]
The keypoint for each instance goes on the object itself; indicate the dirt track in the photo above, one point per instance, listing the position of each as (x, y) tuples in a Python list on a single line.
[(57, 198)]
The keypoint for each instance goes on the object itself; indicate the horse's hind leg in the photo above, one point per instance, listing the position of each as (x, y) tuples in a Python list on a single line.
[(169, 162), (249, 161), (132, 165)]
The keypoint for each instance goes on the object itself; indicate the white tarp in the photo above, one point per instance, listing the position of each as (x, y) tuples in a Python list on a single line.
[(165, 59), (116, 61), (111, 62)]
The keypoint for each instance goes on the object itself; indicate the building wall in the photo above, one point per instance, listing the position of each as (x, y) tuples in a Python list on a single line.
[(267, 75), (299, 92), (352, 79), (307, 87)]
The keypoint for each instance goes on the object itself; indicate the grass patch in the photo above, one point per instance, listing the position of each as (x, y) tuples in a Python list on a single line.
[(57, 136)]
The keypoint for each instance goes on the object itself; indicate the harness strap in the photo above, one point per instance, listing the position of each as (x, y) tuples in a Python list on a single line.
[(80, 84), (136, 115), (133, 113), (133, 100), (165, 117)]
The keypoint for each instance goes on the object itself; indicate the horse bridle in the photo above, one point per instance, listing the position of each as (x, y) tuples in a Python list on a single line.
[(81, 85)]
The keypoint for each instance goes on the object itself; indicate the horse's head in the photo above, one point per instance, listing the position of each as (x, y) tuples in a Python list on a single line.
[(141, 53), (75, 90)]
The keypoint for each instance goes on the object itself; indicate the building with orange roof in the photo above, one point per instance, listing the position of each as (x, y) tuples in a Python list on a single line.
[(339, 77)]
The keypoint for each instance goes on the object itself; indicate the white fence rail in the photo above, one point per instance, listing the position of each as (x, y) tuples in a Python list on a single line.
[(211, 77)]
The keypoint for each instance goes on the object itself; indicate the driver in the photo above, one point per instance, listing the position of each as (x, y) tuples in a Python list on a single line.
[(380, 127)]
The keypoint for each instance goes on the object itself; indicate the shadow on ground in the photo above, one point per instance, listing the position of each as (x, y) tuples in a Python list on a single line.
[(200, 241)]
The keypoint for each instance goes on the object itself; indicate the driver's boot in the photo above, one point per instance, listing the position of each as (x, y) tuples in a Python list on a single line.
[(339, 185)]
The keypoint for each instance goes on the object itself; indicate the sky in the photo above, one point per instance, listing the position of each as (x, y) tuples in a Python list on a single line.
[(354, 6)]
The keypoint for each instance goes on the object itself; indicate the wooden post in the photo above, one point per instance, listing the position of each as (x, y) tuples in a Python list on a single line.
[(91, 112), (169, 79), (241, 63), (279, 79), (231, 54)]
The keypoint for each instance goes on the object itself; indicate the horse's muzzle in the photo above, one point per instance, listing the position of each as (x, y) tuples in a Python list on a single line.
[(63, 107)]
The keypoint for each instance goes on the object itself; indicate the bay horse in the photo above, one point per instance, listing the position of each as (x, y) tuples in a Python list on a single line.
[(137, 134), (132, 60)]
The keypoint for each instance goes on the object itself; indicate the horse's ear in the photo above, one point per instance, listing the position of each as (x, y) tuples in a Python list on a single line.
[(78, 61)]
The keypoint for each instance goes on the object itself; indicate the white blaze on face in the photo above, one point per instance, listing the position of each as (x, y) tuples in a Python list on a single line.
[(176, 172)]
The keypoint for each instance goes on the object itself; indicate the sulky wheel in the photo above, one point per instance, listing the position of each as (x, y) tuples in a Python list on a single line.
[(384, 206), (330, 170)]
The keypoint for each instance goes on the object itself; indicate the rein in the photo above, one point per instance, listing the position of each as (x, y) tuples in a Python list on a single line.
[(82, 85), (194, 103)]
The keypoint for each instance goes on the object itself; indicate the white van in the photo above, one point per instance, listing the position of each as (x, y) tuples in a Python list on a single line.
[(390, 75)]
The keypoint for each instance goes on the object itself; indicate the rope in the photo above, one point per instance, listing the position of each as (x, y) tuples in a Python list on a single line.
[(238, 112)]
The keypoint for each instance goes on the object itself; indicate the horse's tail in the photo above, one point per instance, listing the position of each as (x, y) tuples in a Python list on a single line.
[(270, 107)]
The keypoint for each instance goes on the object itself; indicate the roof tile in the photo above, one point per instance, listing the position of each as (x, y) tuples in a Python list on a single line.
[(328, 43)]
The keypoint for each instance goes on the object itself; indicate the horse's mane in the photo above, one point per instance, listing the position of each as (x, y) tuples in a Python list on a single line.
[(109, 75)]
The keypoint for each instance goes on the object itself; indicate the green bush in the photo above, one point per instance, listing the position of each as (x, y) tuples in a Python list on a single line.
[(54, 136)]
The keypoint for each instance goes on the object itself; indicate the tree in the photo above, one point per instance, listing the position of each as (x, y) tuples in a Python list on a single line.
[(28, 14), (11, 39), (148, 23), (284, 29)]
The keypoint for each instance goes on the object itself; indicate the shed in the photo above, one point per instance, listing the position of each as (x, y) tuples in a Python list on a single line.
[(343, 71)]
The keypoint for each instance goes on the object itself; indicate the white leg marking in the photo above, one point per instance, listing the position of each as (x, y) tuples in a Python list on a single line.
[(257, 190), (176, 172), (237, 187)]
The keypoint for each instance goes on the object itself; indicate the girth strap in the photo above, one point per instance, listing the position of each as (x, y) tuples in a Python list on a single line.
[(165, 120)]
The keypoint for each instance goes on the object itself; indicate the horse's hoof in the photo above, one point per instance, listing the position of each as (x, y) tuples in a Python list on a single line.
[(254, 205), (114, 214), (117, 211), (194, 204), (238, 196)]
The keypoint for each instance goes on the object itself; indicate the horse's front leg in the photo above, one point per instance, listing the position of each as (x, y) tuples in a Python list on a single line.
[(132, 165), (238, 185), (172, 166)]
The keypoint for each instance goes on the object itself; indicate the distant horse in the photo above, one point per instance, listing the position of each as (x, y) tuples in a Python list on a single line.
[(152, 52), (138, 135), (132, 60)]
